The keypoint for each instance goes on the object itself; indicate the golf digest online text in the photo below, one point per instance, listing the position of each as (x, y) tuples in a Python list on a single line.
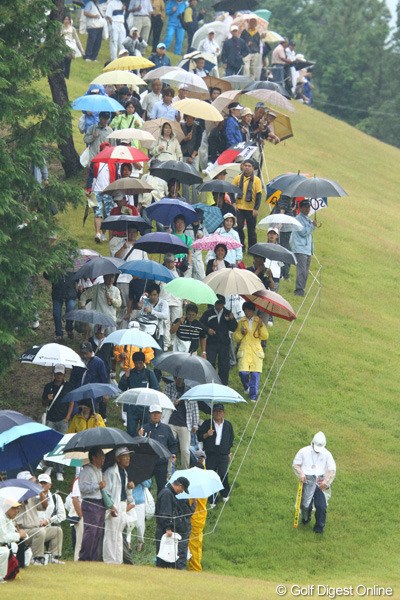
[(328, 591)]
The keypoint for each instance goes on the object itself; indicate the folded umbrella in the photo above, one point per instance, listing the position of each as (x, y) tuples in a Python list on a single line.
[(181, 364), (18, 490), (220, 186), (144, 397), (90, 316), (273, 252), (96, 267), (25, 445), (191, 289), (203, 482), (103, 437), (183, 172), (92, 391), (147, 269), (131, 337), (233, 281), (165, 210), (120, 154), (124, 222), (210, 241), (273, 304), (128, 63), (97, 103), (282, 222), (214, 393), (52, 354), (161, 243)]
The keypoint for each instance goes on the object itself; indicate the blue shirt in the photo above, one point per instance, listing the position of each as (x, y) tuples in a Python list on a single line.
[(233, 133), (162, 110), (301, 242)]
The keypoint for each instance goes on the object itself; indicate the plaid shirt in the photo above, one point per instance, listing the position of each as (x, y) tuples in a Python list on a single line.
[(192, 408)]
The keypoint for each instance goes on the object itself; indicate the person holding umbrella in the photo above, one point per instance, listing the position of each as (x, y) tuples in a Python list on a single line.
[(95, 372), (167, 146), (301, 244), (105, 297), (97, 134), (183, 261), (234, 256), (86, 418), (219, 262)]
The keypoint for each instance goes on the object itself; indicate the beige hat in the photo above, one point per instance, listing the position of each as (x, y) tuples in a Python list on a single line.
[(234, 28), (246, 111), (230, 216)]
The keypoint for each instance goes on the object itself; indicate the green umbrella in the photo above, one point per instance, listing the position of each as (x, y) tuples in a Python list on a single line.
[(191, 289), (263, 13)]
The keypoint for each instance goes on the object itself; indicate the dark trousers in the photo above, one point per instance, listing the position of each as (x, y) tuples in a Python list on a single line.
[(160, 475), (246, 216), (221, 353), (67, 66), (156, 27), (57, 316), (319, 501), (284, 241), (220, 464), (93, 530), (191, 30), (302, 270), (93, 42)]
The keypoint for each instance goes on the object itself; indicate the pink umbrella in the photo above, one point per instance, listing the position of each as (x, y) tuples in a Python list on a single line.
[(273, 304), (210, 241)]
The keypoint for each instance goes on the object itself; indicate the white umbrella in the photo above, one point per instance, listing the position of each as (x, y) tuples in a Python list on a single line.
[(282, 222), (157, 73), (131, 337), (144, 137), (52, 354), (194, 82), (145, 397), (232, 281), (232, 169), (202, 482), (221, 30)]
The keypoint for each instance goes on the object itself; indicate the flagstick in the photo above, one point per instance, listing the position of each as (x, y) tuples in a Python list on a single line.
[(298, 501)]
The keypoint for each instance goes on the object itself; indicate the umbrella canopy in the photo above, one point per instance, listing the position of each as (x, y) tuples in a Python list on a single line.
[(90, 316), (220, 186), (52, 354), (232, 281), (211, 81), (213, 392), (271, 97), (181, 364), (183, 172), (124, 222), (145, 397), (212, 216), (84, 255), (238, 82), (129, 185), (146, 445), (188, 62), (282, 222), (222, 102), (144, 137), (159, 72), (25, 445), (146, 454), (198, 109), (178, 77), (267, 85), (161, 243), (280, 182), (234, 5), (103, 437), (232, 169), (273, 304), (97, 103), (220, 29), (203, 482), (273, 252), (120, 154), (263, 13), (11, 418), (242, 21), (147, 269), (191, 289), (271, 37), (92, 391), (128, 63), (74, 459), (154, 127), (96, 267), (131, 337), (19, 490), (119, 78), (210, 241), (164, 211), (314, 187), (282, 126)]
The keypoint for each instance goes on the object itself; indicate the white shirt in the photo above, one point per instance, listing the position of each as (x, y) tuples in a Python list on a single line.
[(92, 22), (143, 8), (115, 5), (275, 267), (209, 46), (218, 432), (103, 178), (314, 463)]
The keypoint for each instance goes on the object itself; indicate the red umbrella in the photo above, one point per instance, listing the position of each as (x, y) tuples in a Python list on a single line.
[(120, 154), (273, 304), (228, 156)]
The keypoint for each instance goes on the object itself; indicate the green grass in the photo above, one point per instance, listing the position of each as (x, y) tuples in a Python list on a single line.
[(341, 377)]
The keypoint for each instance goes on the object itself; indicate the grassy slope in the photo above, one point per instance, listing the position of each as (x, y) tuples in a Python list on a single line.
[(340, 377)]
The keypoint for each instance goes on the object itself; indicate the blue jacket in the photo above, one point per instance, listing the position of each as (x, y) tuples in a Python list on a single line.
[(233, 133), (160, 60), (301, 242), (138, 491), (173, 17)]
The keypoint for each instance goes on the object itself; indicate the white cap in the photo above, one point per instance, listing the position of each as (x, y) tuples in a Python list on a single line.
[(319, 441), (44, 478), (123, 52), (27, 475), (234, 28), (59, 369), (120, 451), (273, 229), (155, 408)]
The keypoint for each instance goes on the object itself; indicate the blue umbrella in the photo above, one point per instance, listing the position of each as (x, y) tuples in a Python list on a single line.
[(213, 392), (90, 316), (165, 210), (148, 269), (10, 418), (97, 103), (92, 391), (131, 337), (203, 483), (213, 217), (19, 490), (25, 445)]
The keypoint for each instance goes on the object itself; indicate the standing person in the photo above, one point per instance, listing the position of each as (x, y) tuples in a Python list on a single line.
[(138, 493), (184, 420), (58, 413), (234, 50), (95, 23), (129, 119), (73, 42), (174, 303), (100, 175), (159, 57), (183, 261), (219, 262), (63, 290), (189, 331), (140, 12), (162, 433), (105, 297), (301, 244), (135, 44), (252, 39), (274, 266), (284, 207), (165, 107), (217, 437), (157, 21), (120, 489), (115, 18), (190, 150), (249, 334), (316, 469), (210, 46), (281, 63), (169, 521), (191, 21), (166, 147), (232, 128), (219, 322), (96, 134), (151, 98), (154, 311), (198, 522), (248, 202), (85, 418), (174, 10), (263, 273), (95, 371), (91, 482)]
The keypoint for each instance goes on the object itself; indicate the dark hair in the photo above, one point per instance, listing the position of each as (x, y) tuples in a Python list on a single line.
[(212, 89), (95, 451), (168, 91), (249, 306), (104, 115), (221, 246), (123, 91), (163, 127), (129, 165), (180, 217), (130, 103), (192, 308), (153, 287)]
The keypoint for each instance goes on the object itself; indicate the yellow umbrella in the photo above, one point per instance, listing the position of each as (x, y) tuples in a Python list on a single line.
[(198, 109), (128, 63), (119, 78), (282, 126)]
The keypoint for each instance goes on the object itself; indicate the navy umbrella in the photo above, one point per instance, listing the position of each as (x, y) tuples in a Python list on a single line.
[(90, 316), (161, 243), (124, 222), (102, 437), (164, 211), (10, 418), (92, 391), (148, 269), (273, 252), (95, 267), (181, 364), (25, 445)]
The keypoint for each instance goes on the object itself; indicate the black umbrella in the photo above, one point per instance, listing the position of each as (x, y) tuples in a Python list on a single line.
[(280, 182), (124, 222), (314, 187), (146, 453), (273, 252), (176, 169), (103, 437), (161, 243), (90, 316), (267, 85), (95, 267), (145, 445), (302, 64), (235, 5), (220, 186), (181, 364)]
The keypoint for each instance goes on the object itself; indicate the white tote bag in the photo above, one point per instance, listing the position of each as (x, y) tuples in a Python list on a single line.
[(150, 507)]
